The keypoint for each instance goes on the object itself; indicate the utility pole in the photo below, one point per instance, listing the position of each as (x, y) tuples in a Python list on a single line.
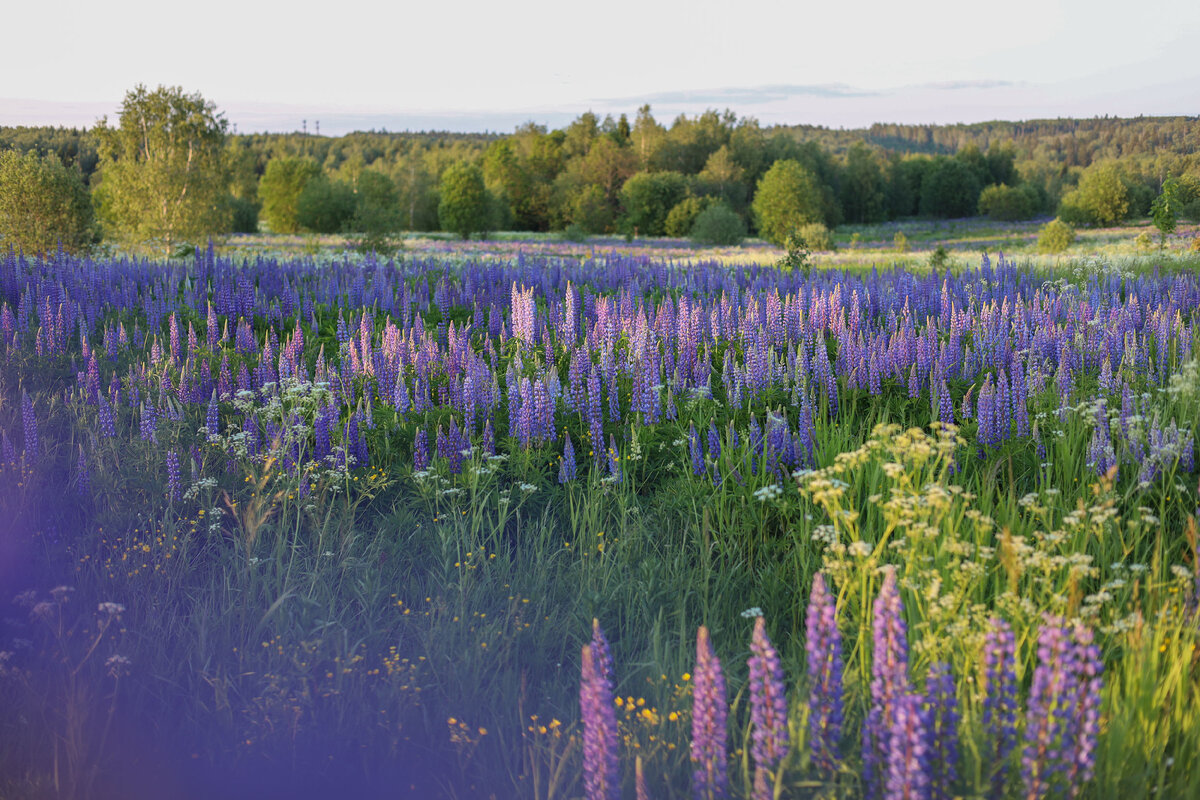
[(304, 126), (318, 127)]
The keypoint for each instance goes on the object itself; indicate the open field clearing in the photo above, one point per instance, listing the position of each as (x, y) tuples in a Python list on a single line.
[(547, 519)]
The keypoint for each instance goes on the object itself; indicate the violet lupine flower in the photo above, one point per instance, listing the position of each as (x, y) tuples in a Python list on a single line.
[(1000, 701), (695, 449), (1080, 746), (824, 650), (601, 770), (83, 484), (421, 450), (29, 421), (889, 683), (907, 770), (763, 789), (768, 700), (1046, 716), (174, 481), (942, 720), (710, 777), (566, 471)]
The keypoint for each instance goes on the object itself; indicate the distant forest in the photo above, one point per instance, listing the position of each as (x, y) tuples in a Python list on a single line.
[(601, 175)]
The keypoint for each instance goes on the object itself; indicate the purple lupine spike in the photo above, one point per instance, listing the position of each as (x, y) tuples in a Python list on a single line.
[(889, 683), (149, 423), (1046, 717), (1000, 701), (566, 471), (768, 700), (907, 776), (696, 450), (601, 769), (212, 420), (1080, 746), (421, 450), (942, 730), (30, 425), (83, 483), (823, 647), (174, 480), (710, 778)]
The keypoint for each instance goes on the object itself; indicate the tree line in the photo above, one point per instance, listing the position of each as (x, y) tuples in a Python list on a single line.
[(169, 172)]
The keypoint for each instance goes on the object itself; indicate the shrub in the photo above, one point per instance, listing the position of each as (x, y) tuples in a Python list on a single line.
[(718, 225), (1143, 241), (1055, 237), (575, 233), (42, 205), (816, 236), (280, 188), (939, 257), (900, 242)]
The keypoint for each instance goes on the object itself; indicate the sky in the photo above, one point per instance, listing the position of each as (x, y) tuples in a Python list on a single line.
[(474, 66)]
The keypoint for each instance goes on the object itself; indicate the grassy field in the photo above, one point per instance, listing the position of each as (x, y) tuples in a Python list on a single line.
[(314, 525)]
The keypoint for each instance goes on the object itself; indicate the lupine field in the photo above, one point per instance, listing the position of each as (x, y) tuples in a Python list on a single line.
[(543, 526)]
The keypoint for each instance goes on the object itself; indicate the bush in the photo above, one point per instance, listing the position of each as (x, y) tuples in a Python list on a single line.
[(1143, 241), (1008, 203), (900, 242), (939, 257), (718, 225), (575, 233), (1055, 237), (42, 205), (377, 213), (816, 236)]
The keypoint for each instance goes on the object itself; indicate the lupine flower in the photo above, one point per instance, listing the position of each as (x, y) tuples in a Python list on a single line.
[(942, 731), (696, 450), (824, 650), (421, 450), (566, 471), (1084, 724), (710, 778), (768, 700), (83, 484), (907, 776), (1000, 701), (601, 770), (29, 421), (1047, 718), (174, 482), (889, 683)]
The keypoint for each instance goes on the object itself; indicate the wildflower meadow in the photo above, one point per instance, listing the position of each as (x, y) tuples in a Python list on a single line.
[(536, 524)]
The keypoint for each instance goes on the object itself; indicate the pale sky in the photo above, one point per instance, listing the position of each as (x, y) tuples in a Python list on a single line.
[(491, 65)]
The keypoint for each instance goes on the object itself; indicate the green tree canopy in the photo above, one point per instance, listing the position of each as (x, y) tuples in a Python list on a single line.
[(648, 198), (951, 187), (465, 206), (164, 177), (788, 196), (377, 211), (325, 206), (1102, 197), (43, 205), (280, 188)]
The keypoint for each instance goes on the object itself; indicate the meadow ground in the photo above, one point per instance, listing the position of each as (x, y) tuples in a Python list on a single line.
[(500, 519)]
